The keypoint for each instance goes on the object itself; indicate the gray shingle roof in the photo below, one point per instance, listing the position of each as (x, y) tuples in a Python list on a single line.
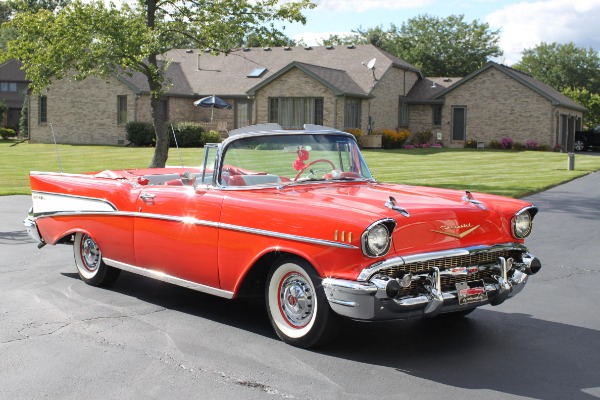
[(426, 90), (198, 73), (11, 71)]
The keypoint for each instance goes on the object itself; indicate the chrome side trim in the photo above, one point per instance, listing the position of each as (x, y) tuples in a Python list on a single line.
[(218, 225), (286, 236), (371, 270), (170, 279)]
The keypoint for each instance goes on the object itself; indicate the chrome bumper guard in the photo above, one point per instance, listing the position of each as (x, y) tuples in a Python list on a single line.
[(371, 300), (32, 229)]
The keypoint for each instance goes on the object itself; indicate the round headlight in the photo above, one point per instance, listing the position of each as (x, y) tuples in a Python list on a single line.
[(377, 241), (521, 225)]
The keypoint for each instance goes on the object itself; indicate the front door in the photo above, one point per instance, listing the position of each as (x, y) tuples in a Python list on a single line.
[(176, 232), (459, 123)]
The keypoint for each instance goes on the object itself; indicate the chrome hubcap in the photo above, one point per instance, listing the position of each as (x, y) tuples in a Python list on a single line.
[(296, 300), (90, 253)]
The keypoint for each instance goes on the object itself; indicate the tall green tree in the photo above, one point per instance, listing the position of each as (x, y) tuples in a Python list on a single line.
[(94, 38), (589, 100), (447, 46), (562, 66)]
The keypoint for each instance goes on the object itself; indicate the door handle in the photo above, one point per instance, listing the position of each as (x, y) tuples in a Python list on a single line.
[(147, 197)]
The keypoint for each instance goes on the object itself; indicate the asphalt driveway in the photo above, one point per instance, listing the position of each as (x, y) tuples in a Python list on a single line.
[(142, 339)]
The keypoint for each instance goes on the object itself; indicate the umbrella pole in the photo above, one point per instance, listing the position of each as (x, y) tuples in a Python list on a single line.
[(212, 113)]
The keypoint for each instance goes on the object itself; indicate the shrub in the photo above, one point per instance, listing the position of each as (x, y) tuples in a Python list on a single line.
[(471, 144), (189, 134), (422, 138), (544, 147), (495, 145), (531, 145), (7, 133), (211, 137), (140, 133), (518, 146), (506, 143), (356, 132), (391, 139)]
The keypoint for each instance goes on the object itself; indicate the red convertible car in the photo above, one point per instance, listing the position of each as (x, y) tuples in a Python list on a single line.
[(297, 217)]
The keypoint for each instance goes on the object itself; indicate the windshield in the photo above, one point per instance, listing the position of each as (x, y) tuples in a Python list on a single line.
[(289, 158)]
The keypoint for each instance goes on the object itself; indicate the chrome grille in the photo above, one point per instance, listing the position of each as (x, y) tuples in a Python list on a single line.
[(449, 281), (475, 259)]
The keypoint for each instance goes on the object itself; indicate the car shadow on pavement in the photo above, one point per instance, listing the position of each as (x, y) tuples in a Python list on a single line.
[(247, 314), (512, 354)]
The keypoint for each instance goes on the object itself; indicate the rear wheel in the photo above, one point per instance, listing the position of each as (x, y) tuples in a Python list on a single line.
[(88, 259), (297, 306)]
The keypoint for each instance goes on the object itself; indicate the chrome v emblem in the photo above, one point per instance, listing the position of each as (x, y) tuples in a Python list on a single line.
[(458, 235)]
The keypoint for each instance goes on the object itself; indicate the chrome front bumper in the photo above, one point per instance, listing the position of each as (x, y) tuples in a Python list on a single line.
[(370, 300)]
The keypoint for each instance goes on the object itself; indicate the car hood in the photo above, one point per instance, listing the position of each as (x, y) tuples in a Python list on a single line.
[(437, 218)]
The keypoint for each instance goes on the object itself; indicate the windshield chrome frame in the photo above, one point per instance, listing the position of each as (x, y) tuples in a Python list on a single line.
[(222, 149)]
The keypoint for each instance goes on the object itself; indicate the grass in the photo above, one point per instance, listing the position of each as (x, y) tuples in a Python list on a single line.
[(508, 173)]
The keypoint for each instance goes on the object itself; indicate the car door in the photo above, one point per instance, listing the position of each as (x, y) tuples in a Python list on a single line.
[(594, 136), (176, 232)]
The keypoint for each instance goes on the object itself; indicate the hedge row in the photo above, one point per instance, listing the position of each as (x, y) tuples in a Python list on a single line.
[(188, 134)]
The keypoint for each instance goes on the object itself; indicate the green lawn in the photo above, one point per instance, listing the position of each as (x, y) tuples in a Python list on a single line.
[(508, 173)]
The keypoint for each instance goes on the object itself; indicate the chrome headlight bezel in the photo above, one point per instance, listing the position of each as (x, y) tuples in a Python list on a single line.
[(522, 222), (376, 240)]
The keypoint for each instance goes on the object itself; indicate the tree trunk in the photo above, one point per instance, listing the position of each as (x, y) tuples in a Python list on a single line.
[(161, 151)]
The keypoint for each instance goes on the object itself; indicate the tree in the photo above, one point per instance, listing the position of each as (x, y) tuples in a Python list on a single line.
[(562, 66), (589, 100), (93, 38), (278, 40), (444, 46), (3, 110)]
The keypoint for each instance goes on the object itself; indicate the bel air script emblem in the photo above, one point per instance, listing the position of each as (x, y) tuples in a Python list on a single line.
[(459, 235)]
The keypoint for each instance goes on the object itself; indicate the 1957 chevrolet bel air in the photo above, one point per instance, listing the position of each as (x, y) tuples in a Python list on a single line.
[(295, 216)]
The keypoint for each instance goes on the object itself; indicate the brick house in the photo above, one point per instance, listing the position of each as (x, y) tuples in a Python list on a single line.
[(492, 103), (13, 86), (342, 87)]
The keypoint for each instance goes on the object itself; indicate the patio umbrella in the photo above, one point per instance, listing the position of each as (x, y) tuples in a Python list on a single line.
[(213, 102)]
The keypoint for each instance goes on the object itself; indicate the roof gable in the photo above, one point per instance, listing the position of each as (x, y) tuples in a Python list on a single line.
[(11, 71), (342, 68), (336, 80), (553, 95)]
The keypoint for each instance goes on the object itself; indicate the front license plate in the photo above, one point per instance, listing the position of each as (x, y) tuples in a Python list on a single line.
[(471, 292)]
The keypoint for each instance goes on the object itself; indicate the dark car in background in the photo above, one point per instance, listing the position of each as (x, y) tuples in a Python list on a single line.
[(589, 139)]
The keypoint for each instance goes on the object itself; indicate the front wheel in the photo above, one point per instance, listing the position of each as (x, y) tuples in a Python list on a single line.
[(579, 145), (90, 266), (297, 306)]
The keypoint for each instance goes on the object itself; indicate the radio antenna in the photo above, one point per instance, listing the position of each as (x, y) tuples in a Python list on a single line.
[(176, 145), (56, 147)]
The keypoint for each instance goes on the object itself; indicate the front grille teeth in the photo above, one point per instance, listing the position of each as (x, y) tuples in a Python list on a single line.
[(487, 271)]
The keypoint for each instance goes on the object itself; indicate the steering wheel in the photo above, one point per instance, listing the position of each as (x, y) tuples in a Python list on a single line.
[(310, 164)]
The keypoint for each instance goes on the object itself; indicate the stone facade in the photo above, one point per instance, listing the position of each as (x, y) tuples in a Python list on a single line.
[(498, 106), (82, 113), (385, 103)]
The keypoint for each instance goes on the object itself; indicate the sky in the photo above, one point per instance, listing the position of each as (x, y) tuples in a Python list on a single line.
[(522, 23)]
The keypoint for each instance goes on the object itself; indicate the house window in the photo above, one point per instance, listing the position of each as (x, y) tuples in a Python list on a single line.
[(43, 116), (8, 86), (352, 113), (121, 109), (436, 115), (403, 114), (243, 113), (294, 112), (164, 104)]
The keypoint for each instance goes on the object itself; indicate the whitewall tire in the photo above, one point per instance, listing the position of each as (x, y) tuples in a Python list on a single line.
[(296, 304), (90, 266)]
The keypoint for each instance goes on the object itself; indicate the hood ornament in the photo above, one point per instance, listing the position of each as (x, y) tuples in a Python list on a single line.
[(468, 197), (391, 204)]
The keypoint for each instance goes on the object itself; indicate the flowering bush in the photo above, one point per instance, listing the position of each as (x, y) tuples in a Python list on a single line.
[(506, 143), (471, 144), (356, 132), (423, 137), (391, 139), (531, 145)]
